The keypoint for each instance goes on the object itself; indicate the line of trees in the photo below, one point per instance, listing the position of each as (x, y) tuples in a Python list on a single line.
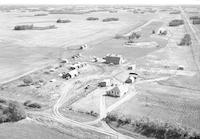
[(186, 40), (152, 129), (11, 111), (176, 22)]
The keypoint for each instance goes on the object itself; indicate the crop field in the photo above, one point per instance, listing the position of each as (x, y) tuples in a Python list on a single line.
[(42, 90), (26, 129), (165, 104), (32, 46), (71, 80), (174, 100)]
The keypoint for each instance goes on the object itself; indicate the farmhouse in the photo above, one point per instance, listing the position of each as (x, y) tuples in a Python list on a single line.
[(113, 59), (105, 83), (117, 91)]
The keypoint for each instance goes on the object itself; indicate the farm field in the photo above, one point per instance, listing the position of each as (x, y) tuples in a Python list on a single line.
[(173, 100), (32, 46), (26, 129), (102, 72)]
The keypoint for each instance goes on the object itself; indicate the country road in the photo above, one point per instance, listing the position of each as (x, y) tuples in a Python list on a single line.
[(70, 88), (190, 29)]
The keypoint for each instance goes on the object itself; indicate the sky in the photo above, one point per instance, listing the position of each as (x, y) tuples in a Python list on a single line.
[(133, 2)]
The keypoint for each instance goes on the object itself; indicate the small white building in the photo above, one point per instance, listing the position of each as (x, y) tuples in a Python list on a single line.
[(71, 74), (77, 66), (52, 70), (130, 79), (105, 82), (180, 67), (132, 67), (162, 31), (85, 46), (117, 91)]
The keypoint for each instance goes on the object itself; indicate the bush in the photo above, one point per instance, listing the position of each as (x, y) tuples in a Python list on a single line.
[(34, 105), (194, 17), (118, 36), (175, 12), (2, 101), (42, 14), (12, 112), (92, 18), (110, 19), (186, 40), (176, 22), (153, 130), (27, 80), (111, 117), (63, 21), (134, 36), (23, 27), (196, 21)]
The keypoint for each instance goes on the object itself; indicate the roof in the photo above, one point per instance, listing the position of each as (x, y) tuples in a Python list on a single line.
[(73, 72), (120, 88), (113, 55), (123, 88)]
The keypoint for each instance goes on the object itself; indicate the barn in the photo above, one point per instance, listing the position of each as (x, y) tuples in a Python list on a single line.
[(113, 59), (105, 83)]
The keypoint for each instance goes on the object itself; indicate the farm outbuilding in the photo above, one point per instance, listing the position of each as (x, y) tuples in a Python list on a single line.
[(130, 79), (105, 83), (134, 75), (131, 67), (162, 31), (77, 66), (64, 61), (82, 47), (117, 91), (113, 59)]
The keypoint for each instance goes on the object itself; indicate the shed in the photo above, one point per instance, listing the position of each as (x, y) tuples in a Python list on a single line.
[(83, 46), (131, 67), (133, 74), (162, 31), (77, 66), (130, 79), (64, 61), (70, 74), (180, 67), (105, 83), (117, 91)]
